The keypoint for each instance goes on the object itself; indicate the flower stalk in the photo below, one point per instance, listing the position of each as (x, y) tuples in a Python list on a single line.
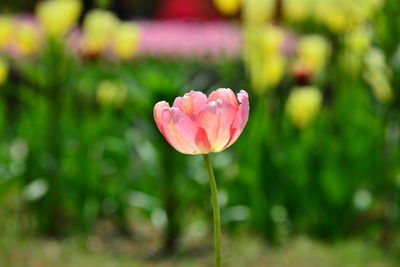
[(215, 207)]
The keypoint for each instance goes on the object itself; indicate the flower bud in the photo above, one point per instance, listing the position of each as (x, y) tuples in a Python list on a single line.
[(228, 7), (99, 28), (58, 16), (313, 51), (358, 40), (111, 93), (380, 85), (377, 74), (273, 38), (26, 39), (296, 10), (126, 40), (258, 11), (303, 105)]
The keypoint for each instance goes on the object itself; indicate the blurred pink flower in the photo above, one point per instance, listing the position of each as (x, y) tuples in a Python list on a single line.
[(190, 40), (196, 124)]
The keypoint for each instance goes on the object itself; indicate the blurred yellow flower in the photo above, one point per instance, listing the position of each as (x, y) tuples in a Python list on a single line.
[(258, 11), (375, 60), (338, 15), (313, 51), (296, 10), (111, 93), (303, 105), (126, 40), (26, 38), (263, 57), (356, 43), (319, 10), (3, 71), (358, 40), (5, 31), (335, 18), (99, 27), (272, 40), (100, 22), (273, 69), (377, 74), (228, 7), (380, 85), (269, 74), (343, 15), (58, 16)]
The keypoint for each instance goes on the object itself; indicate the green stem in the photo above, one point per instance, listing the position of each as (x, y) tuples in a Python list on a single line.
[(215, 207)]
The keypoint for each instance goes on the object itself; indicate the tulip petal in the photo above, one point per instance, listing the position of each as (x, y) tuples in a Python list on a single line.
[(241, 117), (191, 103), (225, 94), (157, 111), (182, 133), (202, 141), (216, 119)]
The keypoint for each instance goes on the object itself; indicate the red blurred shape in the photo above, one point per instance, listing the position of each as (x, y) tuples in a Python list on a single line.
[(187, 9)]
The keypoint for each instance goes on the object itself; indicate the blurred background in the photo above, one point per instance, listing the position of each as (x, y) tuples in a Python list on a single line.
[(86, 178)]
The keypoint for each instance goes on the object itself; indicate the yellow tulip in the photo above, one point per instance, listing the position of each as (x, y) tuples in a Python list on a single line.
[(100, 22), (321, 9), (267, 73), (332, 13), (58, 16), (359, 11), (377, 74), (296, 10), (3, 71), (111, 93), (303, 105), (263, 58), (126, 40), (99, 27), (358, 40), (375, 60), (337, 21), (380, 85), (5, 31), (356, 43), (313, 51), (26, 38), (343, 15), (258, 11), (228, 7), (273, 69), (272, 40)]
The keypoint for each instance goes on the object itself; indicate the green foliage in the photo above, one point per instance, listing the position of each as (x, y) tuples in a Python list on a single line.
[(74, 155), (87, 160)]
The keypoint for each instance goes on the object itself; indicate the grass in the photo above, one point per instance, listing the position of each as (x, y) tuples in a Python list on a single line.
[(106, 246), (242, 250)]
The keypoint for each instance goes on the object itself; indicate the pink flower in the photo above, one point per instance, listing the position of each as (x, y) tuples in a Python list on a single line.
[(196, 124)]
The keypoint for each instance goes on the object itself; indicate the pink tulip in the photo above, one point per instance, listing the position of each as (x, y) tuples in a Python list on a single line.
[(196, 124)]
